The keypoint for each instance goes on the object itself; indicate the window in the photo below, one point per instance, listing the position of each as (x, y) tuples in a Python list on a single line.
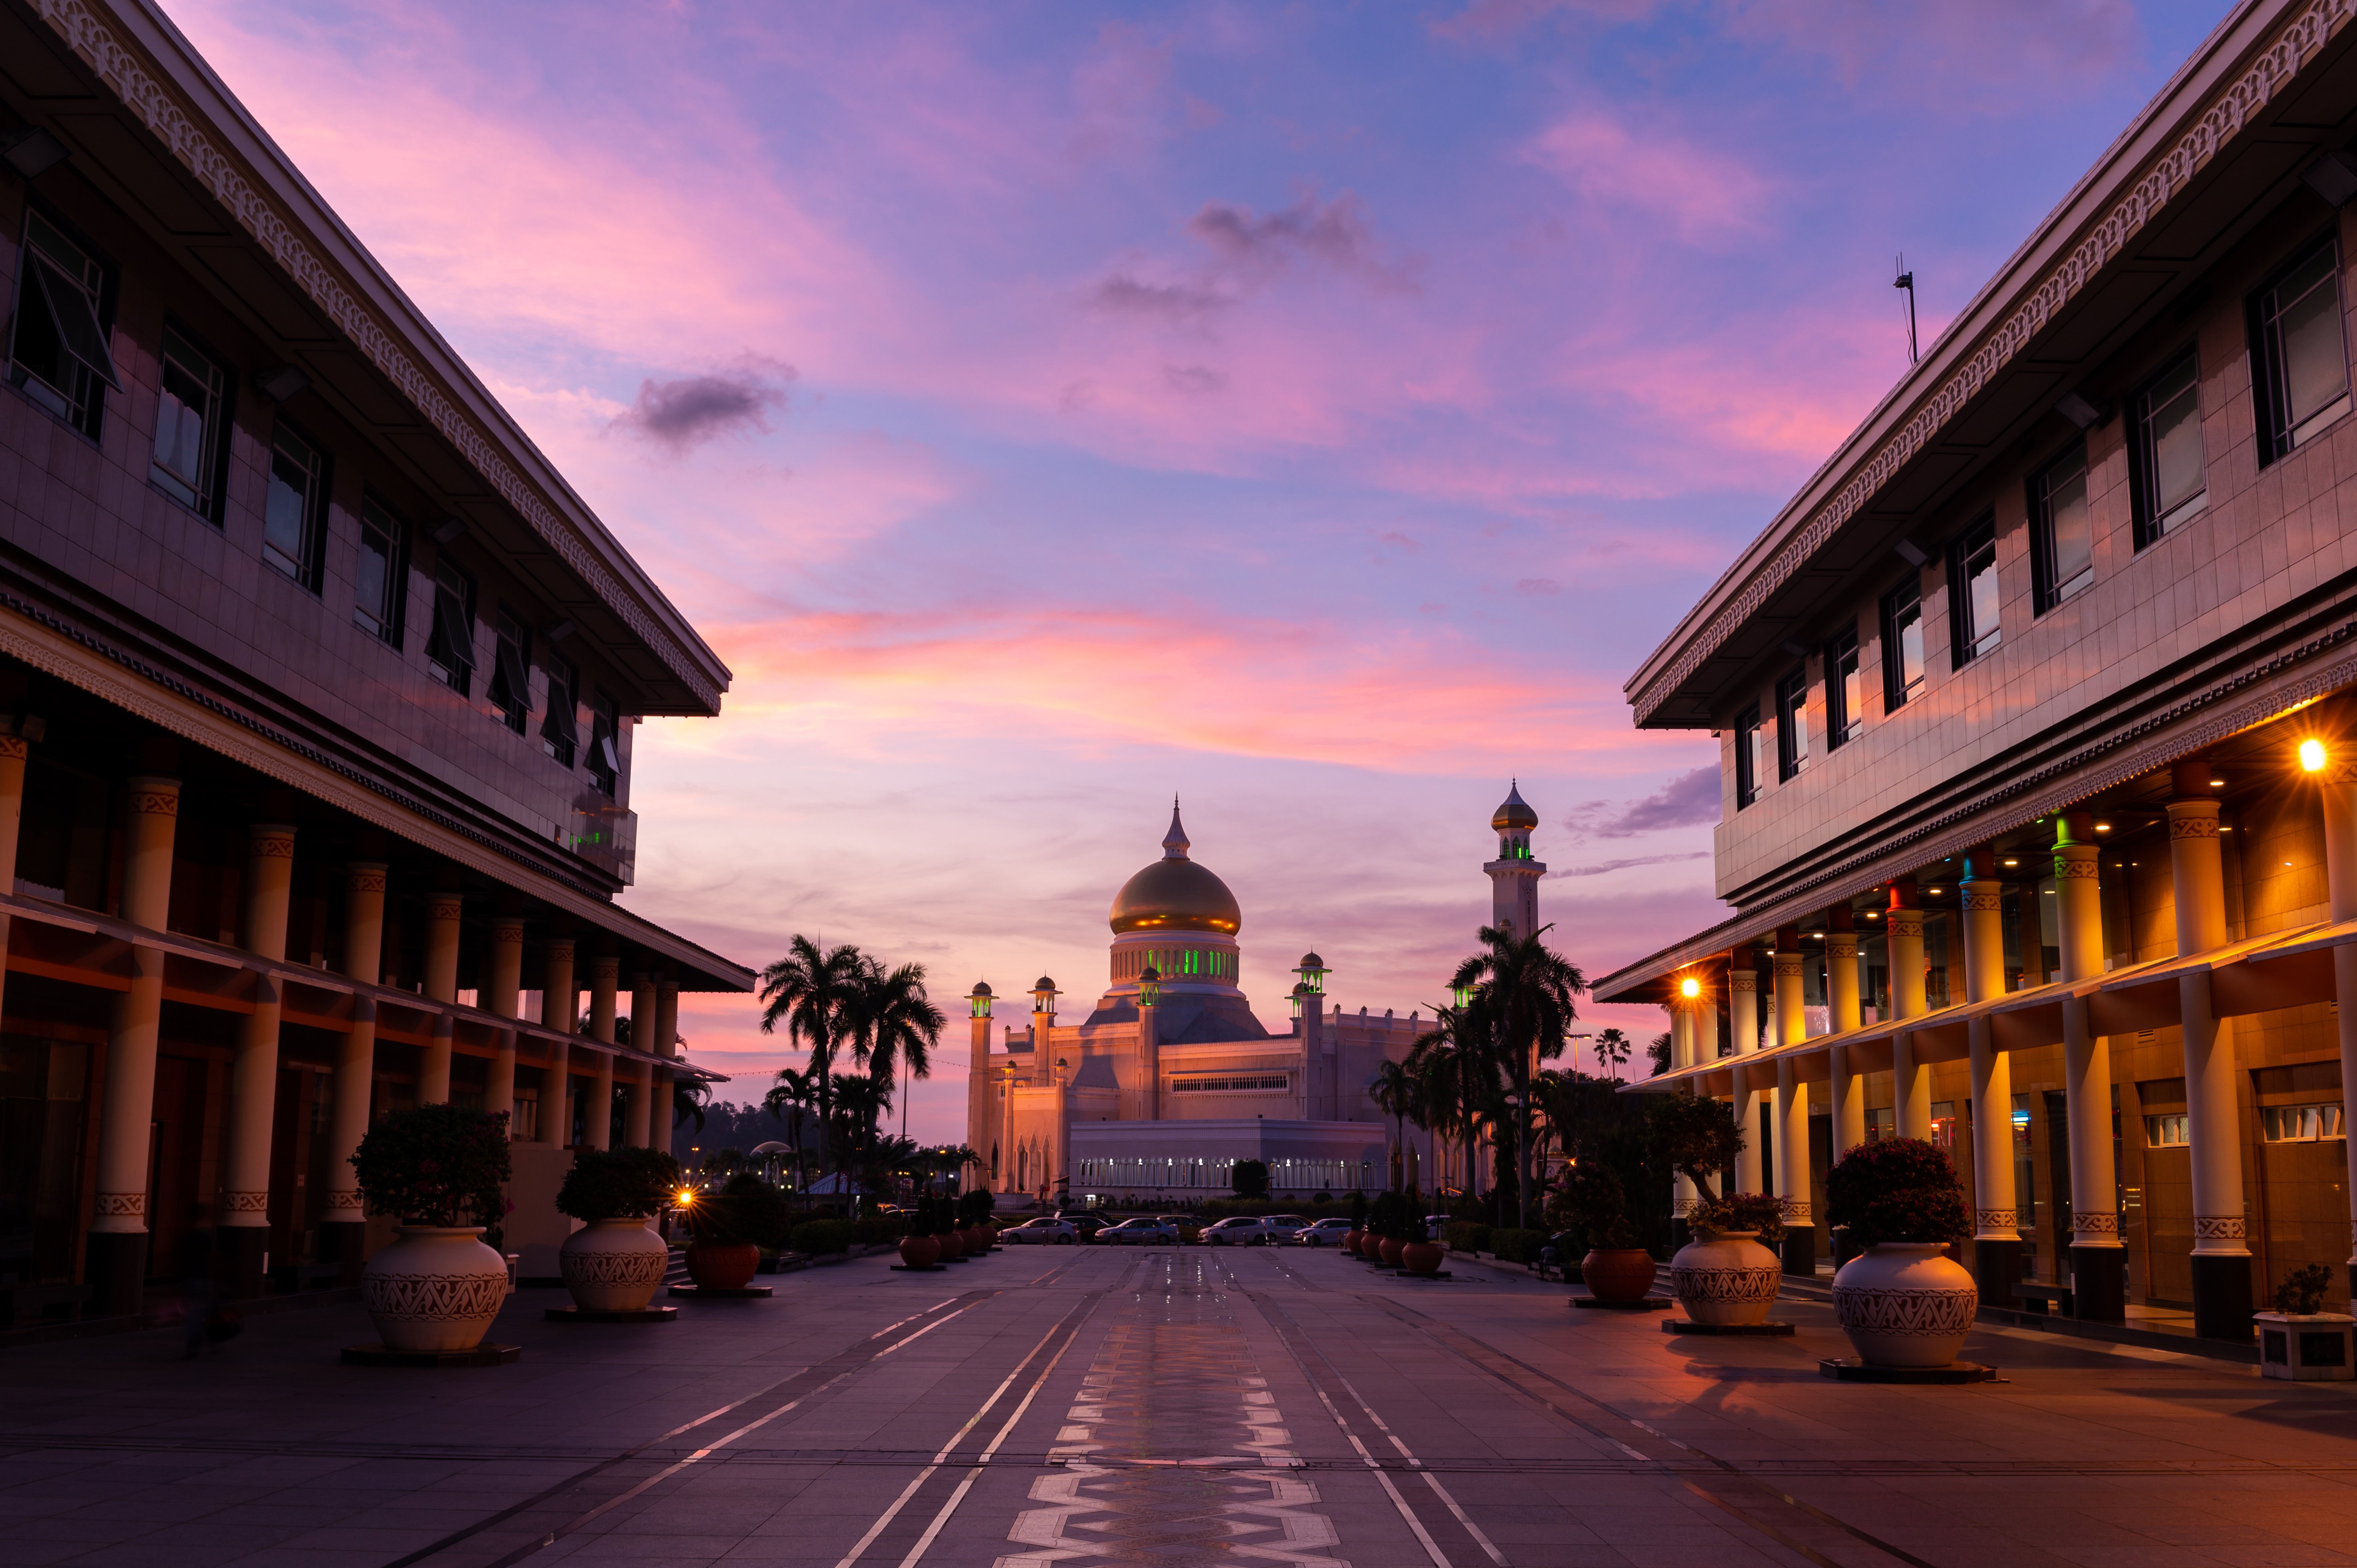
[(191, 426), (2301, 378), (1844, 691), (604, 766), (511, 671), (450, 646), (1881, 1122), (2299, 1123), (2062, 532), (1902, 643), (1792, 725), (294, 513), (1747, 756), (1943, 1123), (559, 734), (2165, 1131), (1256, 1083), (2168, 480), (1972, 590), (378, 570), (58, 340)]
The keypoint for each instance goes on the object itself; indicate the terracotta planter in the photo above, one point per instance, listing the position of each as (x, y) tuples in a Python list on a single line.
[(722, 1268), (613, 1265), (953, 1246), (919, 1252), (1905, 1304), (1618, 1274), (1421, 1257), (1727, 1279), (1388, 1248), (1351, 1240), (434, 1289)]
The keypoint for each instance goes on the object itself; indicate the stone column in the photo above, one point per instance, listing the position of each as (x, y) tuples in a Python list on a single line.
[(1061, 1134), (343, 1228), (605, 977), (2099, 1263), (644, 1029), (1997, 1228), (1910, 1085), (244, 1228), (1792, 1165), (636, 1124), (2221, 1257), (117, 1259), (559, 1001), (2338, 799), (978, 1106), (659, 1091), (503, 996), (443, 912), (597, 1104), (1743, 1028), (13, 752), (1841, 993), (1682, 1187), (1149, 1058)]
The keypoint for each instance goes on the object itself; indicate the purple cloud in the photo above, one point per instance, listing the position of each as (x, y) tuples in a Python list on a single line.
[(1691, 800), (684, 413)]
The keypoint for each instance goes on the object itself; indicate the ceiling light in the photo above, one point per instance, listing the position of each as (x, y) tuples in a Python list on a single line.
[(2013, 862), (2102, 827), (2217, 783), (2312, 755)]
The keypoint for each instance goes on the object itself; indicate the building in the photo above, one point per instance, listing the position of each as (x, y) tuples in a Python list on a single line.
[(2038, 759), (1171, 1078), (317, 690)]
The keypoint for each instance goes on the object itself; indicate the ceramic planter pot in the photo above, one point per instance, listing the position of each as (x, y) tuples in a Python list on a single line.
[(1351, 1240), (1388, 1250), (1728, 1278), (1421, 1257), (1905, 1304), (1618, 1274), (613, 1265), (434, 1289), (722, 1268), (953, 1246), (919, 1252)]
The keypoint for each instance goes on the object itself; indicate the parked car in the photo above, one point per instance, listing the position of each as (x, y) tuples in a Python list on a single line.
[(1436, 1226), (1046, 1230), (1140, 1232), (1325, 1233), (1185, 1227), (1087, 1223), (1236, 1231)]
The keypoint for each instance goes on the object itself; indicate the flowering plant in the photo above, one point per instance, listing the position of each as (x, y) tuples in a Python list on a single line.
[(1758, 1212), (435, 1164), (1589, 1197), (1900, 1190)]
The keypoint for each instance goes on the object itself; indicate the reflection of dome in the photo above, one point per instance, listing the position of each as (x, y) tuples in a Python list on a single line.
[(1516, 812), (1174, 893)]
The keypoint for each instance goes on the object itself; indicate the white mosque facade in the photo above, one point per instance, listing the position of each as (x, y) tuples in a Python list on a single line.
[(1171, 1078)]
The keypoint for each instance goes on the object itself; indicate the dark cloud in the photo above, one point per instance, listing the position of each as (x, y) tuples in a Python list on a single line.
[(1195, 380), (1334, 233), (1121, 294), (684, 413), (1602, 866), (1691, 800)]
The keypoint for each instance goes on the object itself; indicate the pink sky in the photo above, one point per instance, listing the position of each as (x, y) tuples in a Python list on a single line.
[(1313, 411)]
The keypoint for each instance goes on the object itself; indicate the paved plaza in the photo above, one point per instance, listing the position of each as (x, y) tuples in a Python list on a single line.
[(1191, 1406)]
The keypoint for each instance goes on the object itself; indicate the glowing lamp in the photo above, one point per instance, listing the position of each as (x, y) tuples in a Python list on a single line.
[(1690, 988), (1463, 994), (1150, 986), (2312, 755)]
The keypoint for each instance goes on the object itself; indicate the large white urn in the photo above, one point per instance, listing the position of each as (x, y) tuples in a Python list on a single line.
[(436, 1288), (1725, 1279), (613, 1265), (1905, 1304)]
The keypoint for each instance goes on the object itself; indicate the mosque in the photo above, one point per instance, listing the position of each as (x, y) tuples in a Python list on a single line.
[(1171, 1078)]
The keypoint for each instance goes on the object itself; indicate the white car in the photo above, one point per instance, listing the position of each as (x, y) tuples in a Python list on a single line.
[(1283, 1227), (1236, 1231), (1139, 1233), (1044, 1231), (1325, 1233)]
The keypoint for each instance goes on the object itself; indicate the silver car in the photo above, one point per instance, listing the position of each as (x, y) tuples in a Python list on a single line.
[(1236, 1231), (1139, 1233), (1044, 1231), (1325, 1233)]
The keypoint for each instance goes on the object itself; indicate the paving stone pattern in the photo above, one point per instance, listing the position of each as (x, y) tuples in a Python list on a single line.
[(1160, 1407)]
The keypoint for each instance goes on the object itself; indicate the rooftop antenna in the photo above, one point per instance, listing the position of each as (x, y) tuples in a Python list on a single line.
[(1906, 280)]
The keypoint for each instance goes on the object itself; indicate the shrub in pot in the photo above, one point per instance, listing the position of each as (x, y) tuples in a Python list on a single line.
[(724, 1249), (615, 1263), (920, 1246), (1902, 1300), (2301, 1341), (437, 1170), (1728, 1274), (1616, 1268)]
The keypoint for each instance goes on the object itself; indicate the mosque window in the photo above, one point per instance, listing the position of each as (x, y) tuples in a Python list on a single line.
[(1234, 1083)]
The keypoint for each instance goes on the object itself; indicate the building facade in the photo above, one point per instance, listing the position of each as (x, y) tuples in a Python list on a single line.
[(2038, 755), (317, 689), (1171, 1078)]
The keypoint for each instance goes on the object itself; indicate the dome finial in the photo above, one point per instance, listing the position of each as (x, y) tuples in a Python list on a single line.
[(1174, 843), (1514, 815)]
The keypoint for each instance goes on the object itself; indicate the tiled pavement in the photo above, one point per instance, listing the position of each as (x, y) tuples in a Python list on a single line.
[(1155, 1407)]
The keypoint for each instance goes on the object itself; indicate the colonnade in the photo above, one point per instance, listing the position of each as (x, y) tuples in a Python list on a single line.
[(117, 1262)]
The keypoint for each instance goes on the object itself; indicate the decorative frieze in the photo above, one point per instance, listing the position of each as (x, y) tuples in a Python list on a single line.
[(121, 1205), (146, 798), (345, 1204), (2219, 1228), (2103, 1226), (245, 1203), (2008, 1221), (1798, 1212)]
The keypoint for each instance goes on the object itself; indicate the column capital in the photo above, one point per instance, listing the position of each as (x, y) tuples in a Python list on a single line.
[(604, 967), (1743, 980), (554, 945), (2097, 1229), (1906, 924), (154, 796), (2076, 859), (272, 841), (2193, 820), (1842, 943), (15, 747), (445, 907), (1788, 963), (364, 877), (508, 928)]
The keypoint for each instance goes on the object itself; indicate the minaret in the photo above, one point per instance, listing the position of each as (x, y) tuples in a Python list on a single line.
[(978, 1108), (1514, 875)]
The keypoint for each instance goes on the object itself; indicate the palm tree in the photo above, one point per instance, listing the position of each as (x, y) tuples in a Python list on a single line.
[(1455, 1065), (1612, 1048), (690, 1098), (893, 1025), (1526, 988), (812, 993), (860, 1103), (793, 1100), (1398, 1091)]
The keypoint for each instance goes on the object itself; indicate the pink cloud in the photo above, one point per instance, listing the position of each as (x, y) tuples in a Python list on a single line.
[(1703, 195)]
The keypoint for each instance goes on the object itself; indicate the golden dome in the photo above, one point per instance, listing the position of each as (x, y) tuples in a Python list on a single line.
[(1174, 893), (1515, 812)]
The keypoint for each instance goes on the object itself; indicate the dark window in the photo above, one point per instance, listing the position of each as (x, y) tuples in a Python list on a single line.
[(2168, 480), (1972, 591), (1844, 691), (2062, 529), (605, 764), (295, 514), (191, 424), (1902, 643), (2302, 367), (450, 646), (377, 572), (1791, 725), (1748, 757), (559, 734), (58, 338), (511, 671)]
